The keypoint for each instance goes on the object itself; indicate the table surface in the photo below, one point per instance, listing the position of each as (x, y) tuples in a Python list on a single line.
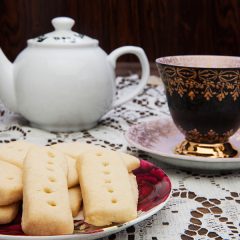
[(128, 68), (203, 205)]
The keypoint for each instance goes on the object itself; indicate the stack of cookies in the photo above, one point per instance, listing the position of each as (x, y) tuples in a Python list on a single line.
[(54, 182)]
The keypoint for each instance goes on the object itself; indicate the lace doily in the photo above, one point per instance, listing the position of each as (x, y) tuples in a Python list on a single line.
[(203, 205)]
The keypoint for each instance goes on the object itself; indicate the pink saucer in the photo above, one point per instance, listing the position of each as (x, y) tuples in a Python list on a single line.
[(159, 137)]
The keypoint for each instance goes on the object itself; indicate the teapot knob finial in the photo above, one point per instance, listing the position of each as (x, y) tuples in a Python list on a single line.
[(63, 23)]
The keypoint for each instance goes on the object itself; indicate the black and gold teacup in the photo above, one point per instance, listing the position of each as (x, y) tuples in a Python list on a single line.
[(203, 94)]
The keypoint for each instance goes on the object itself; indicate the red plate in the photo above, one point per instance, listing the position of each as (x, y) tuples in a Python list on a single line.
[(154, 190)]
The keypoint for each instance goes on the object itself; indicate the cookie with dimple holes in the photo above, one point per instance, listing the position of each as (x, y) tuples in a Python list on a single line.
[(15, 152), (72, 178), (106, 189), (134, 186), (11, 183), (77, 149), (46, 206), (8, 213), (75, 198)]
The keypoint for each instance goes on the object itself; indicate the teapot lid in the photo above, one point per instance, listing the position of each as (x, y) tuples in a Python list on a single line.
[(63, 35)]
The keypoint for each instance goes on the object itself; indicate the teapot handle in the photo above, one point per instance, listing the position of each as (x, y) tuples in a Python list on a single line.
[(114, 55)]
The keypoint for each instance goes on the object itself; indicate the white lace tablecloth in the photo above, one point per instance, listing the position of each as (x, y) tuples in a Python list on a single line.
[(203, 205)]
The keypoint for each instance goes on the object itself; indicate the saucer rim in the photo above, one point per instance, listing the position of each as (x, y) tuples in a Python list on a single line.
[(173, 155)]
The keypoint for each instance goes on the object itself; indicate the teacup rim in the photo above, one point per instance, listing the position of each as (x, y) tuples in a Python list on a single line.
[(159, 61)]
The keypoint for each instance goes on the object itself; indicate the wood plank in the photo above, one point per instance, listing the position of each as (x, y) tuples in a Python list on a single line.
[(161, 27)]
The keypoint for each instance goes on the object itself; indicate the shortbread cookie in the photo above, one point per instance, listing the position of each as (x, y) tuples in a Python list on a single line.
[(60, 158), (15, 152), (131, 162), (106, 189), (72, 178), (76, 149), (72, 149), (134, 186), (46, 206), (8, 213), (75, 197), (10, 183)]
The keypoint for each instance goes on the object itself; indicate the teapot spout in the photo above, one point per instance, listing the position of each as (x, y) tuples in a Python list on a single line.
[(7, 90)]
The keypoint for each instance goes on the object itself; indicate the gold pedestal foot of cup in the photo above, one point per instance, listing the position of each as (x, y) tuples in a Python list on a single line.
[(216, 150)]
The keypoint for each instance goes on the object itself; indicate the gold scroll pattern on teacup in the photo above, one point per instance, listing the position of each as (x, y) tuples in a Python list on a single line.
[(207, 83), (210, 137)]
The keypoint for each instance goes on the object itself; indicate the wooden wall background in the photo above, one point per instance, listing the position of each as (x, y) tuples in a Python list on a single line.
[(161, 27)]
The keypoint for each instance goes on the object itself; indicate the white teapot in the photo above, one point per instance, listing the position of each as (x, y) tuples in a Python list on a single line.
[(63, 81)]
